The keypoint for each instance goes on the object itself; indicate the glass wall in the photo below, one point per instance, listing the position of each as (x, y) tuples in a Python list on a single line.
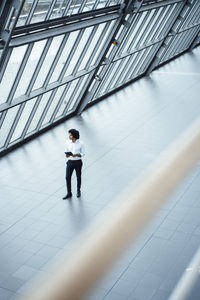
[(49, 69)]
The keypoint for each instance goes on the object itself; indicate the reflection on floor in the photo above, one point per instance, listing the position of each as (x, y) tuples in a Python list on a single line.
[(123, 135)]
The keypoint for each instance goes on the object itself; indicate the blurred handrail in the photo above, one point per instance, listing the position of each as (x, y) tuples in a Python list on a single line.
[(188, 279), (103, 243)]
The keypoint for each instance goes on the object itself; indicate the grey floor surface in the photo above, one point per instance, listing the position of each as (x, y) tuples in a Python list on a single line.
[(123, 135)]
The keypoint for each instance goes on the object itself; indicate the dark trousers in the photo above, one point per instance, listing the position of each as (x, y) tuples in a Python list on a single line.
[(70, 167)]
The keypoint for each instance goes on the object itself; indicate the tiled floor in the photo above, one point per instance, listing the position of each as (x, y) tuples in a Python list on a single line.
[(123, 135)]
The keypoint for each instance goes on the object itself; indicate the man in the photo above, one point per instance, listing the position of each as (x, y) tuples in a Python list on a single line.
[(74, 151)]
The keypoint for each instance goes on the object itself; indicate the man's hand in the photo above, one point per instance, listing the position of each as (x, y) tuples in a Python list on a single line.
[(76, 155)]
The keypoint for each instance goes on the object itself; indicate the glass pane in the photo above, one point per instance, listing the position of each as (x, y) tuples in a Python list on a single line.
[(24, 13), (90, 48), (51, 54), (30, 68), (100, 49), (134, 28), (79, 49), (63, 57), (58, 9), (39, 111), (161, 29), (72, 86), (23, 119), (41, 11), (7, 124), (53, 105), (11, 72), (80, 90)]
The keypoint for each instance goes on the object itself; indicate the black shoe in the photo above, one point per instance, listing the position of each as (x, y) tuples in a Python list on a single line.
[(78, 194), (67, 196)]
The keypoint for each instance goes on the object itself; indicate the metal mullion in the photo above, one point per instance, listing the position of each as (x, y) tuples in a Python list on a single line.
[(5, 63), (123, 33), (177, 44), (128, 35), (3, 116), (170, 50), (159, 4), (191, 27), (137, 67), (39, 65), (71, 98), (116, 78), (161, 24), (145, 60), (189, 39), (180, 45), (20, 72), (180, 25), (49, 12), (144, 57), (107, 77), (169, 21), (120, 75), (60, 102), (71, 55), (152, 52), (14, 125), (183, 40), (96, 4), (32, 114), (10, 17), (187, 20), (73, 7), (31, 12), (169, 11), (108, 2), (147, 40), (138, 31), (156, 60), (67, 8), (195, 16), (84, 50), (79, 91), (82, 6), (146, 29), (55, 61), (120, 71), (136, 63), (193, 12), (98, 44), (46, 109), (131, 67), (74, 94), (195, 40), (123, 74)]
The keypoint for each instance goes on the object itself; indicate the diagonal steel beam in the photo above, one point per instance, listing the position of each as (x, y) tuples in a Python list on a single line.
[(127, 7)]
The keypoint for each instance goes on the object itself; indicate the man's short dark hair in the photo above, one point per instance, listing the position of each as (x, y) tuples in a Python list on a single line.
[(74, 133)]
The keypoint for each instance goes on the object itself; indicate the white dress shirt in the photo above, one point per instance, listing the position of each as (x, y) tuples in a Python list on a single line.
[(76, 148)]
